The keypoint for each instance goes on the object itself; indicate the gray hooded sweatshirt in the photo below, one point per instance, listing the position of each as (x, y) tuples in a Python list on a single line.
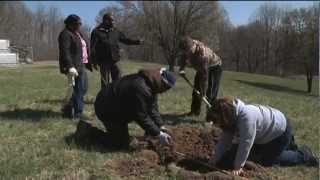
[(255, 124)]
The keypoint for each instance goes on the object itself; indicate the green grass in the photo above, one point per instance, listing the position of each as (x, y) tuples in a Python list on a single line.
[(32, 131)]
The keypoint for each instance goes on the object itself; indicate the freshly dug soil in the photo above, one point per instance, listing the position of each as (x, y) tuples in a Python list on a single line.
[(187, 140), (146, 162), (189, 151)]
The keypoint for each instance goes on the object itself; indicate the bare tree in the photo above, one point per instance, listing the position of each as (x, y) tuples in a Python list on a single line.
[(162, 23), (39, 29), (269, 16), (305, 22), (278, 41)]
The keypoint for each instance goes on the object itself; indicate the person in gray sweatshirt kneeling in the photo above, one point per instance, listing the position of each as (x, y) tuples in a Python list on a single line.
[(254, 132)]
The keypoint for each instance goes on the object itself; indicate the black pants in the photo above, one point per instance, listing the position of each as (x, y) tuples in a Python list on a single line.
[(106, 70), (214, 77), (118, 133), (117, 129)]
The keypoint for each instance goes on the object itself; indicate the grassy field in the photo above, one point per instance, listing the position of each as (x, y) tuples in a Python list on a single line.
[(32, 131)]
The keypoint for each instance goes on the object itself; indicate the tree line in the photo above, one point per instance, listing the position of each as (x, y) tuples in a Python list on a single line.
[(39, 29), (163, 23), (277, 40)]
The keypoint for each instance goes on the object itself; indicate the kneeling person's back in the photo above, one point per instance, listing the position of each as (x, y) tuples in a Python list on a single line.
[(134, 98)]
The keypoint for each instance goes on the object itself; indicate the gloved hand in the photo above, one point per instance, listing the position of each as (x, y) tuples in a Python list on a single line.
[(238, 172), (163, 128), (73, 71), (182, 73), (164, 138)]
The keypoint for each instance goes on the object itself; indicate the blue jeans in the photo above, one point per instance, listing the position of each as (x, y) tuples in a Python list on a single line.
[(291, 155), (79, 90), (282, 150)]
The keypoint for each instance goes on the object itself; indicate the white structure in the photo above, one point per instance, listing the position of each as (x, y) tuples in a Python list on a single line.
[(6, 56)]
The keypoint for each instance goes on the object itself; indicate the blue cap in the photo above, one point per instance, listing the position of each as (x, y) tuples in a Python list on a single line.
[(168, 77)]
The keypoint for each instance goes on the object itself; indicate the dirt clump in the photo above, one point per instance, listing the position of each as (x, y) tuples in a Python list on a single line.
[(146, 162), (149, 155)]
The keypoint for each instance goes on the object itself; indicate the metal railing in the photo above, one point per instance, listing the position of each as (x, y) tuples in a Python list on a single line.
[(25, 54)]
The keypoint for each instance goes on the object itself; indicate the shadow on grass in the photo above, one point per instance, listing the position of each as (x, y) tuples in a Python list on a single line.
[(91, 138), (174, 119), (92, 145), (28, 114), (61, 101), (275, 87)]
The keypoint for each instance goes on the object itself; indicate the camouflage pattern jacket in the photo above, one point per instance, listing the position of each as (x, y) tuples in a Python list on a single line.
[(199, 56)]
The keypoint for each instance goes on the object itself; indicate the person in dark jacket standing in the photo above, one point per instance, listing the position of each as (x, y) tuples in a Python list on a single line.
[(73, 57), (105, 48), (134, 98), (208, 70)]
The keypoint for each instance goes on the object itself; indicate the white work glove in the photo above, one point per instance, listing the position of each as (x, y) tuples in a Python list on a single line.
[(238, 172), (182, 72), (164, 138), (73, 72), (163, 128)]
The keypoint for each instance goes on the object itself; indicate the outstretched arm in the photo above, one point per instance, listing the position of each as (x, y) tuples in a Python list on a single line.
[(124, 39)]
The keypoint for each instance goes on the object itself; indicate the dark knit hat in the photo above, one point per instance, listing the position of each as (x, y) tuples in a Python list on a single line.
[(72, 19), (168, 77), (108, 15)]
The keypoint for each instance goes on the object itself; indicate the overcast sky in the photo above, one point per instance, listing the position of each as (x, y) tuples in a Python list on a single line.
[(238, 11)]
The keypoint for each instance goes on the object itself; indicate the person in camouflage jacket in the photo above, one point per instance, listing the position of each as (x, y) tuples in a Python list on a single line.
[(208, 70)]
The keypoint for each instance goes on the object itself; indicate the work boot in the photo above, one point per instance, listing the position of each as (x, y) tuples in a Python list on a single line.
[(83, 129), (67, 111), (309, 157)]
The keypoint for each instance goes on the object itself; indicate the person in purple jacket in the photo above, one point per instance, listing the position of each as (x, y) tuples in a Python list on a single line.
[(259, 133)]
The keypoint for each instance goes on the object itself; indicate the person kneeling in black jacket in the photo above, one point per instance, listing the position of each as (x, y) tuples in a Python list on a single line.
[(133, 98)]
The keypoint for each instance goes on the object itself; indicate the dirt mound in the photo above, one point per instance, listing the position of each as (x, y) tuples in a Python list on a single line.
[(189, 153), (191, 149), (187, 141)]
